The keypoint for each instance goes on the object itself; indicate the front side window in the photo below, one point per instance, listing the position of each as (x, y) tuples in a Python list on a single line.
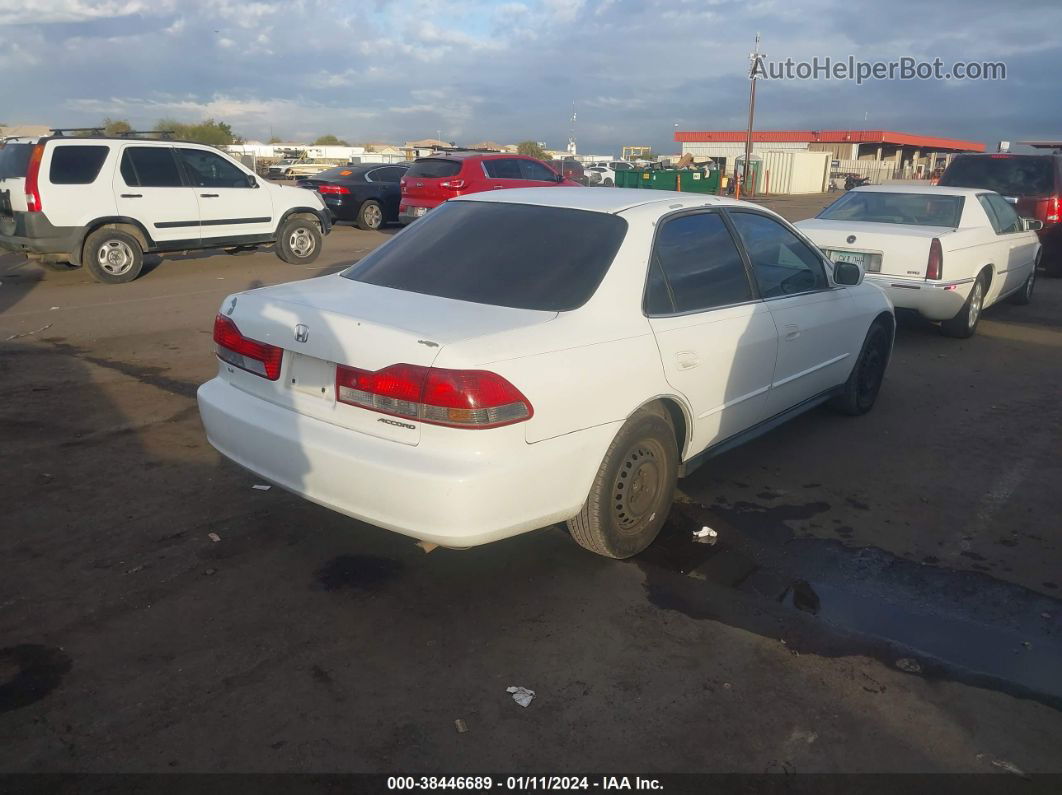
[(209, 170), (150, 167), (537, 171), (1006, 215), (503, 168), (782, 263), (76, 165), (695, 266)]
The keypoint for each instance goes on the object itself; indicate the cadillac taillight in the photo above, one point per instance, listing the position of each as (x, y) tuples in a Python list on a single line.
[(935, 265)]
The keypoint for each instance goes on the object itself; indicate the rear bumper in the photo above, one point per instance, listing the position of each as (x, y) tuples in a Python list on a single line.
[(33, 233), (932, 300), (408, 207), (444, 496)]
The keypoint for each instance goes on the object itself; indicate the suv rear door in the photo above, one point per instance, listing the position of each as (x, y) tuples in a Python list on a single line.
[(14, 160), (230, 209), (430, 180), (148, 187), (1030, 182)]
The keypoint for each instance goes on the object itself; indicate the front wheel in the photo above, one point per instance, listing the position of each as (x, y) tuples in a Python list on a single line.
[(964, 324), (631, 496), (608, 182), (860, 391), (1024, 295), (299, 242)]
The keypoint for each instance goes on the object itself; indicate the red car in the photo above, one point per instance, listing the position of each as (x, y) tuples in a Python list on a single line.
[(432, 180)]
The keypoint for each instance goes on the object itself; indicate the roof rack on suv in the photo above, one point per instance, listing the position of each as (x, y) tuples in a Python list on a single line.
[(457, 149), (60, 132)]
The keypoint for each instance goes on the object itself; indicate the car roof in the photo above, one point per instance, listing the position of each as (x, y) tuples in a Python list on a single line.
[(602, 200), (939, 190), (469, 155)]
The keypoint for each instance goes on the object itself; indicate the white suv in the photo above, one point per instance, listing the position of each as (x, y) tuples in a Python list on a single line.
[(103, 202)]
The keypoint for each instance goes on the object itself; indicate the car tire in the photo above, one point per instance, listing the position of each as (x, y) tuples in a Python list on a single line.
[(860, 391), (299, 242), (112, 256), (370, 216), (608, 183), (1025, 294), (964, 324), (632, 492)]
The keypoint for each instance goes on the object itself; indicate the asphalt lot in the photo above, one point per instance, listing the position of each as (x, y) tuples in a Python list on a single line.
[(884, 595)]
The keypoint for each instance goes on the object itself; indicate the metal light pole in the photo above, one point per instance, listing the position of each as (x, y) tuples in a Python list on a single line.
[(754, 58)]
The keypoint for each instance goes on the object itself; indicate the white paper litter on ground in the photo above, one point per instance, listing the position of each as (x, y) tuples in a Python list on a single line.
[(705, 535), (261, 487), (521, 695)]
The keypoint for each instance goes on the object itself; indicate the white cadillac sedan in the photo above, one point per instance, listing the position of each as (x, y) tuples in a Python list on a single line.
[(946, 253), (531, 356)]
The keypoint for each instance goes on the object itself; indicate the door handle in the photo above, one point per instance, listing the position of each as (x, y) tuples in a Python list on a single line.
[(209, 195), (792, 331), (132, 195)]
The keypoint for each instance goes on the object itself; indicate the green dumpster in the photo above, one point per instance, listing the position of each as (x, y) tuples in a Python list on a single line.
[(663, 180), (699, 181), (627, 178)]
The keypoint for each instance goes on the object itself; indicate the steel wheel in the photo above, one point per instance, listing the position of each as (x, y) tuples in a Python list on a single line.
[(301, 242), (115, 257), (637, 485)]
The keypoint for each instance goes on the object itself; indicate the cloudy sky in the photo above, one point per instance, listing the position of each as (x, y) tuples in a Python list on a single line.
[(393, 70)]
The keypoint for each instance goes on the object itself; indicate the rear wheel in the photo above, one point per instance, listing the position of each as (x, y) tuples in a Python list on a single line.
[(964, 324), (113, 256), (861, 390), (1024, 295), (631, 496), (608, 183), (299, 242), (370, 216)]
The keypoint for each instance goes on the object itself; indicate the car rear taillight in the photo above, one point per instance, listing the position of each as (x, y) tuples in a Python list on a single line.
[(456, 398), (33, 170), (333, 189), (935, 265), (247, 354), (453, 184), (1053, 211)]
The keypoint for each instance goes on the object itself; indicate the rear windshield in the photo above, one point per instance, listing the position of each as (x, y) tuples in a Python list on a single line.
[(915, 209), (1009, 175), (76, 165), (515, 255), (14, 159), (434, 169)]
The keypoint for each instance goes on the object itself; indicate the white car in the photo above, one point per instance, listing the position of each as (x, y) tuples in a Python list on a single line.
[(946, 253), (104, 202), (474, 378), (600, 174)]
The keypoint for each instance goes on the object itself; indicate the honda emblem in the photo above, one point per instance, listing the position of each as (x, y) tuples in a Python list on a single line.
[(302, 333)]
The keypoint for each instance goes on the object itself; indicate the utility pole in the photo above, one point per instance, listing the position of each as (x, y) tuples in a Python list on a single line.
[(754, 58)]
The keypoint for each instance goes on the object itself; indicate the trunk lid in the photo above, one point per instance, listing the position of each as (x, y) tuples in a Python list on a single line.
[(359, 325), (889, 249)]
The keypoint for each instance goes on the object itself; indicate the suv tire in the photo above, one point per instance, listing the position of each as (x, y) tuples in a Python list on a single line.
[(299, 242), (112, 256)]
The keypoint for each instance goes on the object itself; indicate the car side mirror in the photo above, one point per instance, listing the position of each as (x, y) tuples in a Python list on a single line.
[(252, 181), (1032, 224), (847, 273)]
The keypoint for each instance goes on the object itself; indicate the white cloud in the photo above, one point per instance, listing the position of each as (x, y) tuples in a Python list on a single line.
[(43, 12)]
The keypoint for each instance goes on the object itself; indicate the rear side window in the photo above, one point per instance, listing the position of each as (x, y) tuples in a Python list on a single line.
[(76, 165), (432, 168), (150, 167), (696, 266), (1008, 175), (14, 160), (389, 174), (515, 255)]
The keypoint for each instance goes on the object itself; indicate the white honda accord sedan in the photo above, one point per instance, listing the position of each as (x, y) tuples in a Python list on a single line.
[(530, 356)]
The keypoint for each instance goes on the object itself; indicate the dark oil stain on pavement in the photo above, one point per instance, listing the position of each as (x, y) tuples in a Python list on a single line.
[(357, 572), (820, 596), (28, 673)]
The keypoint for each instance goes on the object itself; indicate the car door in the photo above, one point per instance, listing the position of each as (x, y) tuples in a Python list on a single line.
[(820, 329), (148, 187), (717, 340), (386, 188), (537, 174), (231, 207), (503, 172), (1015, 247)]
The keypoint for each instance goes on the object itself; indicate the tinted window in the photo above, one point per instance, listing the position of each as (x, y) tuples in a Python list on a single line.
[(76, 165), (503, 168), (1010, 175), (209, 170), (700, 263), (150, 167), (434, 169), (389, 174), (782, 263), (540, 172), (515, 255), (14, 160), (918, 209), (1003, 216)]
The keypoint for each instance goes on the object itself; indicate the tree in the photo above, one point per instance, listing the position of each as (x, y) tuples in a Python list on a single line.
[(116, 126), (330, 140), (275, 140), (532, 149), (213, 133)]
